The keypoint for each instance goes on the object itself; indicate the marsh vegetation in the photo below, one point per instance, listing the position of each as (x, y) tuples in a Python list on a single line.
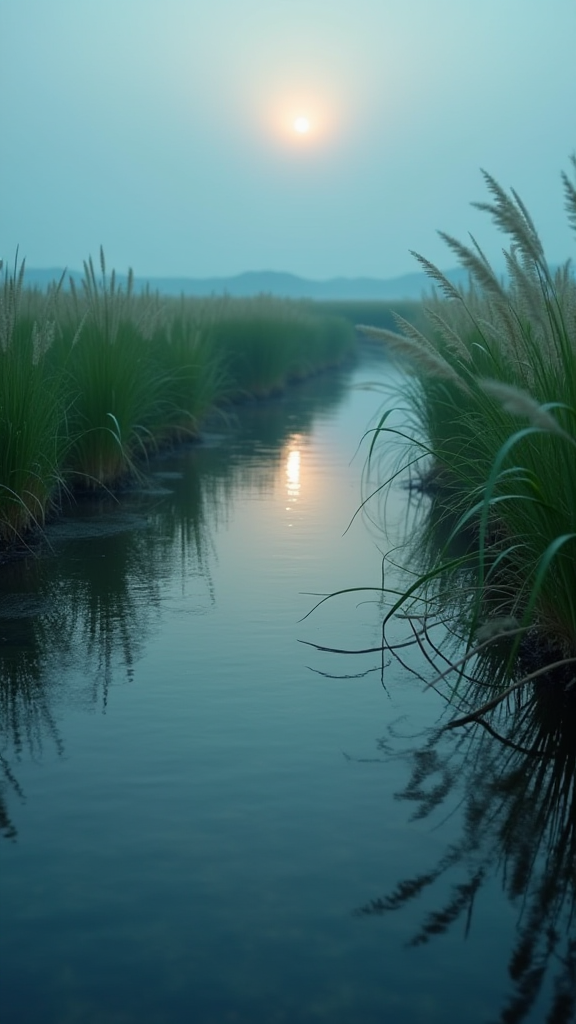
[(164, 745), (196, 779), (95, 379), (488, 440)]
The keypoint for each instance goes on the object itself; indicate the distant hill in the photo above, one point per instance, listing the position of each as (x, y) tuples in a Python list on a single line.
[(269, 282)]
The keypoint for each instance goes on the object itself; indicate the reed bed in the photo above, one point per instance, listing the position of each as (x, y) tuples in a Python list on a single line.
[(105, 355), (266, 342), (377, 313), (95, 378), (492, 427), (32, 410)]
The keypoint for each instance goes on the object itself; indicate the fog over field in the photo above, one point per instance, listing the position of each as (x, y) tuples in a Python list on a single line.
[(298, 136)]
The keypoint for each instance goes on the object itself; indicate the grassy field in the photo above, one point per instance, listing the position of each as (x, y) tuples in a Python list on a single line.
[(491, 430), (33, 437), (94, 379), (376, 313)]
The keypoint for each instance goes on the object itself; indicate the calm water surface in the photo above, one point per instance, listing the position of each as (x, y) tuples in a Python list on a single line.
[(195, 805)]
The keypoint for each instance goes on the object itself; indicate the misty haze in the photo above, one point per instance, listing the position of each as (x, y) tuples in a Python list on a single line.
[(287, 507)]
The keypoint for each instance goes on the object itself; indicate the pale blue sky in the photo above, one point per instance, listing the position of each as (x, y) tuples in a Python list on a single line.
[(162, 129)]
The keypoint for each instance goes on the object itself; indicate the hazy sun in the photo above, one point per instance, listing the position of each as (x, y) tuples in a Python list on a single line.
[(301, 125)]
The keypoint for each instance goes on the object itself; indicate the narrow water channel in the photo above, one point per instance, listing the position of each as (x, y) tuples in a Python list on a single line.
[(195, 805)]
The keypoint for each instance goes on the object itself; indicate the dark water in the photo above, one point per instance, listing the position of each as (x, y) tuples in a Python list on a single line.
[(195, 810)]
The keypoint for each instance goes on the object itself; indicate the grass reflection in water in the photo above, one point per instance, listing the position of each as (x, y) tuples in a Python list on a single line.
[(75, 617), (513, 774)]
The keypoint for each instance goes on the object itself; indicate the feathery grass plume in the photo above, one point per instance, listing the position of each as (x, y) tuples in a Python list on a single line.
[(492, 290), (449, 290), (477, 265), (409, 330), (525, 287), (422, 356), (502, 496), (466, 309), (570, 194), (520, 403), (512, 217), (449, 335)]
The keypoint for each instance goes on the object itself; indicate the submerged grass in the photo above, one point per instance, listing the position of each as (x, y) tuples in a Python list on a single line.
[(492, 400), (93, 379)]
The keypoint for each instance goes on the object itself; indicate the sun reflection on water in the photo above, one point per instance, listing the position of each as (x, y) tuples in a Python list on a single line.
[(293, 473), (293, 470)]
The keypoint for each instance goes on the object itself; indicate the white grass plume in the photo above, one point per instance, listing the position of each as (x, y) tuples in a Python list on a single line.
[(512, 217), (454, 342), (449, 290), (418, 352), (570, 194), (519, 403)]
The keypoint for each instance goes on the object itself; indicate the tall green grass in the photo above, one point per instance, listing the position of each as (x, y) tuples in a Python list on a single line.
[(32, 408), (492, 399), (95, 378), (193, 372), (378, 313), (114, 385), (266, 342)]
